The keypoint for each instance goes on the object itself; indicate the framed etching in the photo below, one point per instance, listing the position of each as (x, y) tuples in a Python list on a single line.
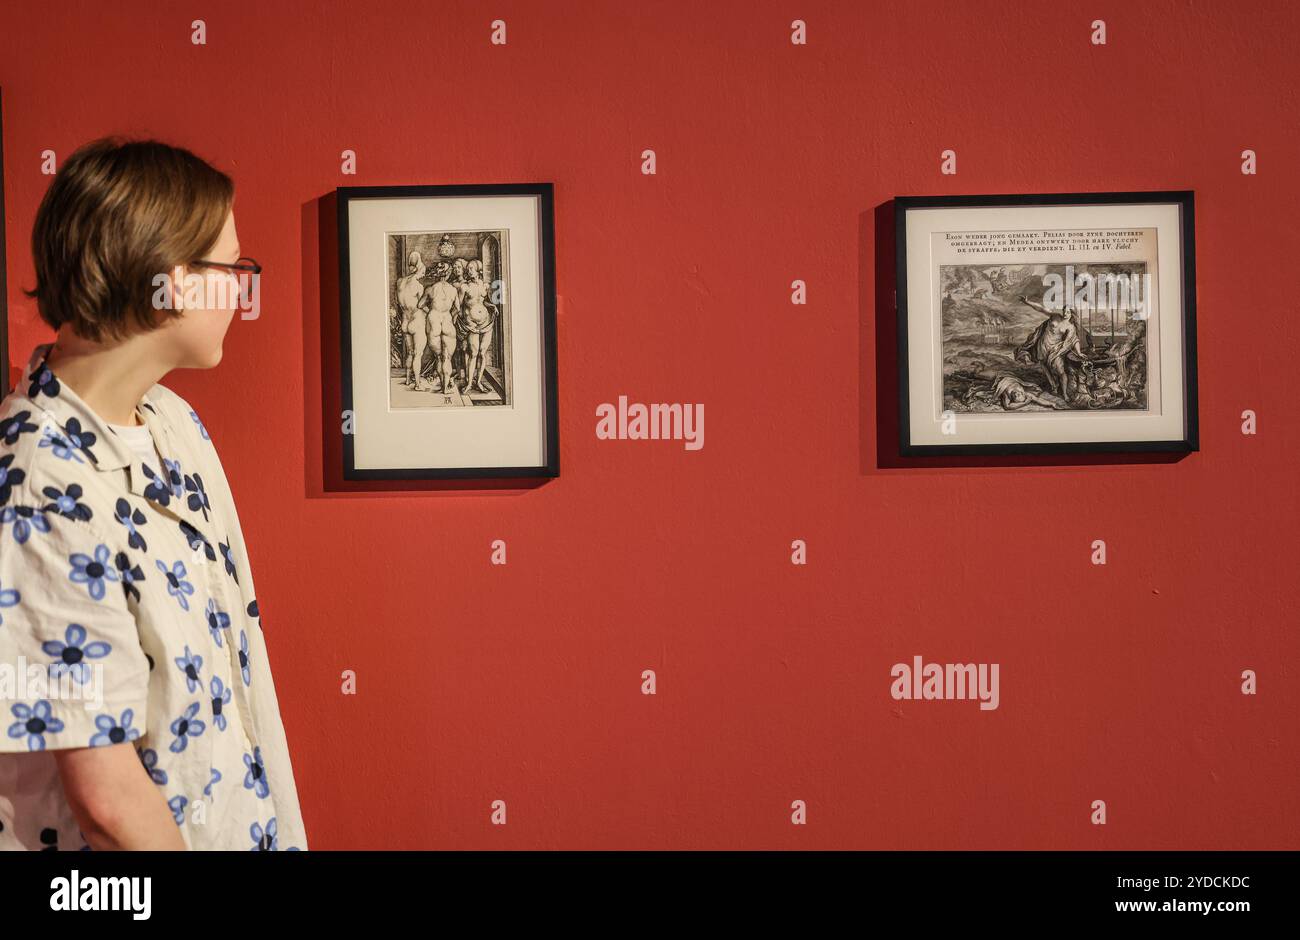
[(1046, 324), (447, 318)]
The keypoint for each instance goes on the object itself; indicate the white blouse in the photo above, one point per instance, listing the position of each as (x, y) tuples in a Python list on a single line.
[(128, 617)]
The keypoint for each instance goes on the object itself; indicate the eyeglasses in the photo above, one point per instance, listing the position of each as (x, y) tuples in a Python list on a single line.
[(243, 264)]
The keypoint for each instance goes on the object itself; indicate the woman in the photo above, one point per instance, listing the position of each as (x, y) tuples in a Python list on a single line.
[(147, 718), (476, 322)]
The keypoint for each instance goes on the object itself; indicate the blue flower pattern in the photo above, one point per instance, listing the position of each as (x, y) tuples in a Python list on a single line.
[(255, 775), (149, 758), (92, 571), (177, 586), (190, 664), (24, 521), (220, 699), (67, 502), (218, 621), (9, 597), (72, 654), (132, 519), (33, 723), (187, 726), (114, 730), (55, 459), (129, 574), (216, 778)]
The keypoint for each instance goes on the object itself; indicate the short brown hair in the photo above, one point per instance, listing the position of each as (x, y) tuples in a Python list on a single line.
[(118, 214)]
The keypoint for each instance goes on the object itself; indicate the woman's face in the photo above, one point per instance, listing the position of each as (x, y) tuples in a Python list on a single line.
[(210, 297)]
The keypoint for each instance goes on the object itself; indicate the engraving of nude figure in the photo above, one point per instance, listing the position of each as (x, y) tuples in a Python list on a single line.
[(410, 293), (476, 322), (439, 299), (457, 281), (448, 335)]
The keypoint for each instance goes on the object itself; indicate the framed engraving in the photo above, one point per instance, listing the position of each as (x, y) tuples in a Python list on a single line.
[(448, 345), (1046, 324)]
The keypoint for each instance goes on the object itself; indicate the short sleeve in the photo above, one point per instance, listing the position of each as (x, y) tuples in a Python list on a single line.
[(68, 639)]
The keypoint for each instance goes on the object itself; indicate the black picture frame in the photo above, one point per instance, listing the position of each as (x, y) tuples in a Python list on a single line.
[(4, 266), (1184, 199), (550, 467)]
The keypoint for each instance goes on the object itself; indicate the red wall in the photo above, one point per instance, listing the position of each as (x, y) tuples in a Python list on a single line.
[(522, 682)]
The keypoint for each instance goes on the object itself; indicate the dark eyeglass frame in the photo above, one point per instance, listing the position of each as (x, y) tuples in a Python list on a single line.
[(243, 264)]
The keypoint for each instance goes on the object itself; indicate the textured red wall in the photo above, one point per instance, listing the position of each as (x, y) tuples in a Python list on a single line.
[(522, 682)]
